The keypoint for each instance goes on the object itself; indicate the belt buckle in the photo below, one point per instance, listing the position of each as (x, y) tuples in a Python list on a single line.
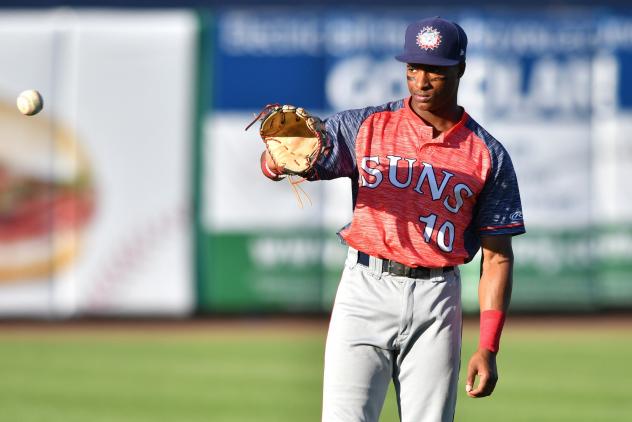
[(399, 269)]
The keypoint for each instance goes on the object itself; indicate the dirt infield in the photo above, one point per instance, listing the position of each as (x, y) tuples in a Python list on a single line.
[(294, 325)]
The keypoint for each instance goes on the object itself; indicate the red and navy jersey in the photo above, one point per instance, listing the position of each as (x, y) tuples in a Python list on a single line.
[(419, 200)]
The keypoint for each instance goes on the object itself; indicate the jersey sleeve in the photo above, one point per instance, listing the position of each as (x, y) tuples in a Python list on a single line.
[(342, 129), (499, 207), (339, 158)]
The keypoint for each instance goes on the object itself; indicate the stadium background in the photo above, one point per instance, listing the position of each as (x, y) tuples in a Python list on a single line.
[(145, 108)]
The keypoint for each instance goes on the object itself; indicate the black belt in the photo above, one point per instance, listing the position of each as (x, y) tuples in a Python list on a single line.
[(398, 269)]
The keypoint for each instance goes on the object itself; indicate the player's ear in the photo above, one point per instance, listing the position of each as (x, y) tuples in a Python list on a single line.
[(461, 68)]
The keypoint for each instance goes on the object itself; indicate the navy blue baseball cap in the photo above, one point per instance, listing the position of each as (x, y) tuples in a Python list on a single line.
[(434, 41)]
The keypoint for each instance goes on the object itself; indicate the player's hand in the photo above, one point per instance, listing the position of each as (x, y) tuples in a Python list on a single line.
[(271, 164), (481, 365), (269, 167)]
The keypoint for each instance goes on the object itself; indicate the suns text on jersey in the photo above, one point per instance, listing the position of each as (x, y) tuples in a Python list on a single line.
[(427, 182)]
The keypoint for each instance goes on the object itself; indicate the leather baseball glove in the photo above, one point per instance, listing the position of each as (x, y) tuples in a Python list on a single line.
[(294, 138)]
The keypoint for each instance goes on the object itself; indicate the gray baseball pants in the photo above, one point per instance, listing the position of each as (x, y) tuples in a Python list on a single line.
[(385, 327)]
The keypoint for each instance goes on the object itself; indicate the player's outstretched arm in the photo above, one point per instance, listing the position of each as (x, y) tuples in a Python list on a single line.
[(494, 294)]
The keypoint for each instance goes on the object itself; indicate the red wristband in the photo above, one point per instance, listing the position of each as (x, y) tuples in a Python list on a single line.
[(492, 322)]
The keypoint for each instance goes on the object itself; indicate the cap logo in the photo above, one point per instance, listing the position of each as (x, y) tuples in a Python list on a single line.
[(428, 38)]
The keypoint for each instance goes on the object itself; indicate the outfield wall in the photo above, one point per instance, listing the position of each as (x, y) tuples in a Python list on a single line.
[(95, 190), (154, 202), (553, 86)]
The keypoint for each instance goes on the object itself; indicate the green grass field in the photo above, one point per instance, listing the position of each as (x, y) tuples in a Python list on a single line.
[(262, 373)]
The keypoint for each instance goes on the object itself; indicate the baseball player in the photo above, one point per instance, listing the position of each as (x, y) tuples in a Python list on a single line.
[(430, 188)]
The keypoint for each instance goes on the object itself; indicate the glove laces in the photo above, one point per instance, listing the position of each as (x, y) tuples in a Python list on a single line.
[(298, 191)]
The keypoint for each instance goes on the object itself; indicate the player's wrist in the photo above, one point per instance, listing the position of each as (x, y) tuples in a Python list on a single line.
[(486, 352), (492, 322)]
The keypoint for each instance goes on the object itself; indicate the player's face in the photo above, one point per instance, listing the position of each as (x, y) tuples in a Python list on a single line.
[(433, 88)]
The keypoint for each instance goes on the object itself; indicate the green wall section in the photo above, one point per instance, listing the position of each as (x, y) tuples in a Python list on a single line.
[(574, 270), (204, 78), (285, 271), (271, 271)]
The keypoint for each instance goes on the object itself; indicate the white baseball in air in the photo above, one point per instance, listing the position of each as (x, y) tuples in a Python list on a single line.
[(30, 102)]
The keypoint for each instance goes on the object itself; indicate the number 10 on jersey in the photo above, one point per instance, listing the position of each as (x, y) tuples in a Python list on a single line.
[(445, 235)]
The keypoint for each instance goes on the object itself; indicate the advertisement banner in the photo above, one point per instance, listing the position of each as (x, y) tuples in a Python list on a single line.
[(94, 190), (550, 85)]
